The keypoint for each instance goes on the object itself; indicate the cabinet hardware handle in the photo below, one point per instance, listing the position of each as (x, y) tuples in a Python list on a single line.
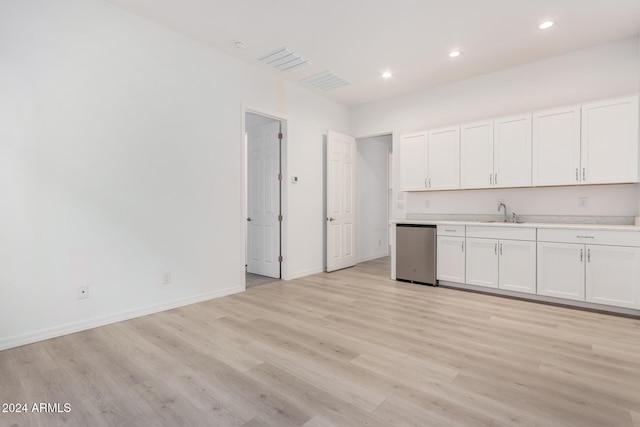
[(429, 182), (495, 248), (585, 237), (577, 176), (588, 255), (491, 178), (425, 183), (500, 248), (495, 179), (584, 174), (450, 231), (462, 244), (581, 254)]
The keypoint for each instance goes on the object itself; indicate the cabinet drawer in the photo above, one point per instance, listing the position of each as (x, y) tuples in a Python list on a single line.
[(590, 237), (509, 233), (451, 230)]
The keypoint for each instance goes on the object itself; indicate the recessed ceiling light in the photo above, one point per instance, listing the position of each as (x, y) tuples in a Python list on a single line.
[(454, 54), (387, 75), (545, 25)]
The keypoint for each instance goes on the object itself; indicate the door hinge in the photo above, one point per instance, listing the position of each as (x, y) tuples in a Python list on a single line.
[(280, 135), (279, 258), (280, 217), (279, 177)]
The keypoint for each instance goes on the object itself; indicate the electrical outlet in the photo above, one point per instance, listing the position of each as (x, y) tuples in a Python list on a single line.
[(166, 278), (583, 202), (83, 292)]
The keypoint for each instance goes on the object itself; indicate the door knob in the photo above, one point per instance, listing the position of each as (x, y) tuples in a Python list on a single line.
[(331, 219), (249, 219)]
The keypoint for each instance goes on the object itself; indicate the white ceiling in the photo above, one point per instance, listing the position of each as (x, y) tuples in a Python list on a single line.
[(358, 39)]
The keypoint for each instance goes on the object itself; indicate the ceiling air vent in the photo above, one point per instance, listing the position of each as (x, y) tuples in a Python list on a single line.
[(325, 81), (285, 60)]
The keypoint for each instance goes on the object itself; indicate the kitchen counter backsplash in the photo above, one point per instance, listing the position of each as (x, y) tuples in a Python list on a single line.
[(554, 219)]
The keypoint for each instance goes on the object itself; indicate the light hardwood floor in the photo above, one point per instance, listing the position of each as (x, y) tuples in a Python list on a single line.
[(349, 348)]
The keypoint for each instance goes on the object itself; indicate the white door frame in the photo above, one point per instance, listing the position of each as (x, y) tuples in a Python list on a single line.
[(283, 195)]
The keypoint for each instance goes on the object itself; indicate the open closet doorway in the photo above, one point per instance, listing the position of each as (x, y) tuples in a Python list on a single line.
[(263, 148), (374, 196)]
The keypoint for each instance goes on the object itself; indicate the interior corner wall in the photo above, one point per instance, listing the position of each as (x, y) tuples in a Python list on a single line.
[(120, 160), (604, 71)]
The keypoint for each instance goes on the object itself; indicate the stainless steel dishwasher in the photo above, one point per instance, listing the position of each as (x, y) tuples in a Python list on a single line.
[(416, 253)]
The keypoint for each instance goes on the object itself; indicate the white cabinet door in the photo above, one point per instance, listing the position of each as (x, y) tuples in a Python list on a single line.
[(512, 151), (451, 262), (482, 262), (443, 170), (517, 266), (610, 141), (556, 146), (561, 270), (613, 275), (413, 156), (476, 155)]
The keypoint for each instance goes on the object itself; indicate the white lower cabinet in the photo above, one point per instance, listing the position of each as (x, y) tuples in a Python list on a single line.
[(613, 275), (605, 269), (451, 262), (504, 264), (517, 266), (482, 262), (595, 266), (451, 249), (561, 270)]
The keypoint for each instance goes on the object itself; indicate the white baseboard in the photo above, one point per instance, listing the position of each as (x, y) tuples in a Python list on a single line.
[(304, 273), (372, 257), (45, 334)]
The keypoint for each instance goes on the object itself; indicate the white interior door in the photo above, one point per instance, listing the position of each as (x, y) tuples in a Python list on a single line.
[(263, 205), (341, 226)]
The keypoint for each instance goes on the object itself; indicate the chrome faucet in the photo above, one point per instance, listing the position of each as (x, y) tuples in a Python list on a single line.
[(502, 205)]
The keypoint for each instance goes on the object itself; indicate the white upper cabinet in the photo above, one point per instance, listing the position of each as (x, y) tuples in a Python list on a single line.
[(595, 143), (476, 155), (556, 147), (512, 151), (430, 161), (610, 141), (443, 159), (413, 162)]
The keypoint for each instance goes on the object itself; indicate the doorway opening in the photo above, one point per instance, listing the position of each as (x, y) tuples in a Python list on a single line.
[(375, 159), (263, 198)]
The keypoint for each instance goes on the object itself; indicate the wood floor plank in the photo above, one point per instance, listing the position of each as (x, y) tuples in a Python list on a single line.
[(347, 348)]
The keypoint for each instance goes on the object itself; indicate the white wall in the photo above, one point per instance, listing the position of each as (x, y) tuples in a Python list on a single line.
[(604, 71), (372, 204), (120, 159)]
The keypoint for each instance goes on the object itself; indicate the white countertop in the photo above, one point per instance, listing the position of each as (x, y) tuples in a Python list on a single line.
[(606, 227)]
